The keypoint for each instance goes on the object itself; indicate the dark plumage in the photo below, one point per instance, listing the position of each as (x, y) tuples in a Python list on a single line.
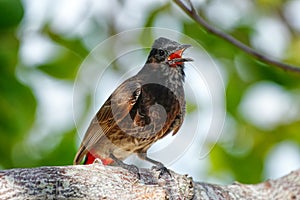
[(142, 110)]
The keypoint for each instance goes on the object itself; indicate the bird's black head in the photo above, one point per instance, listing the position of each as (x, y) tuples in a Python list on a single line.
[(168, 52)]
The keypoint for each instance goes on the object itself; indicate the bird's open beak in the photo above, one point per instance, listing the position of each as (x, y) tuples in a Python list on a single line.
[(175, 58)]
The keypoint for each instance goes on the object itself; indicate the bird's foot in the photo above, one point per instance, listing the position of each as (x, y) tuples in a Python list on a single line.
[(131, 168), (158, 166), (163, 170)]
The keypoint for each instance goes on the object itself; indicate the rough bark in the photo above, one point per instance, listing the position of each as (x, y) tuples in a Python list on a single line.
[(105, 182)]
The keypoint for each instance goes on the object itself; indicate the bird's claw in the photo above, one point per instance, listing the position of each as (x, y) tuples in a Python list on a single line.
[(131, 168), (134, 169), (163, 170)]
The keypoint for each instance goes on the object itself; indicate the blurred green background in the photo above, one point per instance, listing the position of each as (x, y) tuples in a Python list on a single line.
[(43, 43)]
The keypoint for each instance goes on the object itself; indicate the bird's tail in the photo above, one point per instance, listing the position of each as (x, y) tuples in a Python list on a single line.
[(80, 155), (89, 157)]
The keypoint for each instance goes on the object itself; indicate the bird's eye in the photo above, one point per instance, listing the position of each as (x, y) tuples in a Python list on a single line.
[(161, 52)]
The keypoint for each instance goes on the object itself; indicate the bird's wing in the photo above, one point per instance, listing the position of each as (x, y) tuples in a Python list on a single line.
[(178, 121), (176, 124), (116, 107)]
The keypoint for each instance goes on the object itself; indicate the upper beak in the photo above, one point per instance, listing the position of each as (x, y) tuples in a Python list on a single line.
[(184, 46)]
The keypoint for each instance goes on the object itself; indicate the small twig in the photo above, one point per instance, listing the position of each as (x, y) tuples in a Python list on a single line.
[(194, 15)]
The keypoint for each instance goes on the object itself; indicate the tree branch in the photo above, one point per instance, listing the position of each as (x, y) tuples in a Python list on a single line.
[(198, 19), (107, 182)]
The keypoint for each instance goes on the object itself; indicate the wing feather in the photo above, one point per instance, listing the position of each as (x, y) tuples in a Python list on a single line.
[(116, 107)]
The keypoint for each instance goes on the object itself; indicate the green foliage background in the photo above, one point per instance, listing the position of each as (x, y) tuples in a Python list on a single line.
[(18, 101)]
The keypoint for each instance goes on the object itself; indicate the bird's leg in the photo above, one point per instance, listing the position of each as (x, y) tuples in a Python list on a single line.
[(158, 165), (131, 168)]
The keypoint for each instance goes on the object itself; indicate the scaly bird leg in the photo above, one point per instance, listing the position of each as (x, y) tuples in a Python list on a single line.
[(131, 168), (158, 165)]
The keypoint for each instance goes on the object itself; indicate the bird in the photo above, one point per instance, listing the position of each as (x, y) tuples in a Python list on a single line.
[(140, 111)]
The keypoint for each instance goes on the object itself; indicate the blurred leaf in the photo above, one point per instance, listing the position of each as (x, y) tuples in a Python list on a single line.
[(17, 105), (9, 46), (246, 168), (11, 13), (73, 44), (234, 93), (65, 66), (146, 37), (242, 33), (152, 15), (279, 76), (270, 4), (216, 46), (290, 131), (251, 71), (64, 153), (293, 51)]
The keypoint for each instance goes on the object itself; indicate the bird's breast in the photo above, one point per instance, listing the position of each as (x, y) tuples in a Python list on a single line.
[(154, 111), (150, 118)]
